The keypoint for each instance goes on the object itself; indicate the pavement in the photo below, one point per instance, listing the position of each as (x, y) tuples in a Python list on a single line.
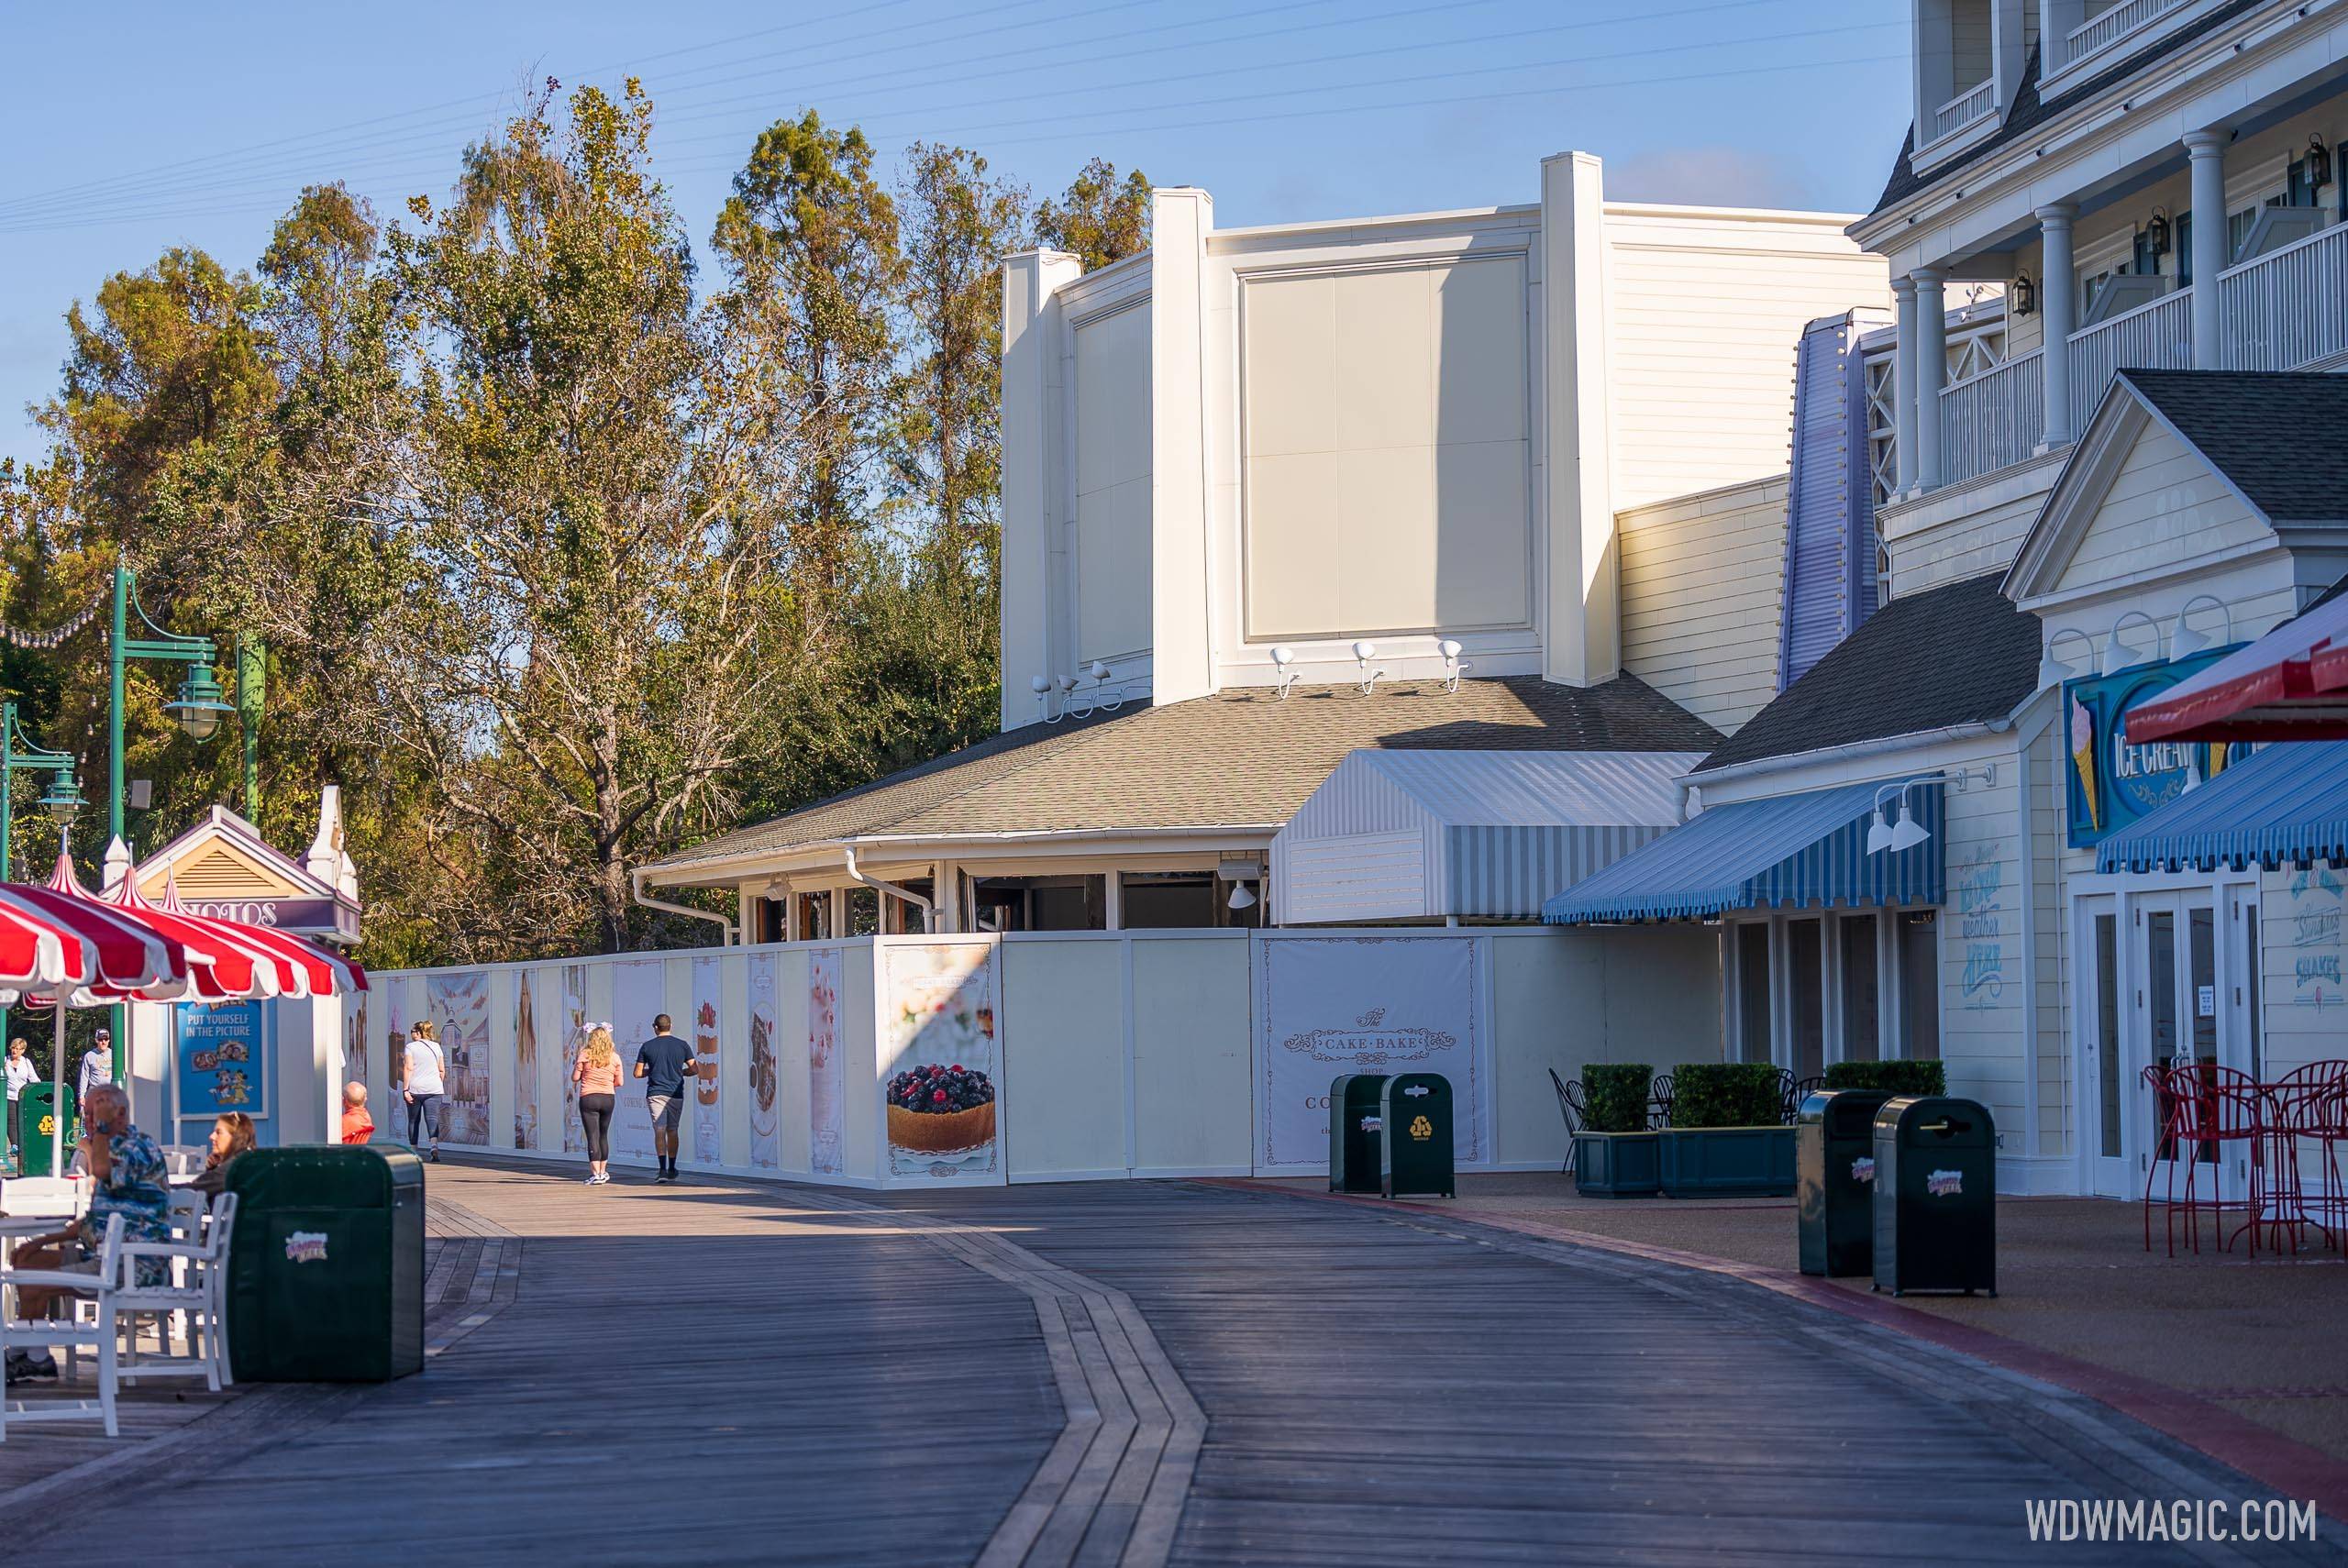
[(2264, 1341)]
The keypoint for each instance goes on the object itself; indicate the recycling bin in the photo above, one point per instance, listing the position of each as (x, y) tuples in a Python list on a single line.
[(1414, 1109), (1354, 1164), (326, 1270), (1936, 1196), (1835, 1180), (37, 1109)]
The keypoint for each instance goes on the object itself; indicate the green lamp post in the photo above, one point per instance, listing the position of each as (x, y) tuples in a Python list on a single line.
[(16, 750), (199, 708)]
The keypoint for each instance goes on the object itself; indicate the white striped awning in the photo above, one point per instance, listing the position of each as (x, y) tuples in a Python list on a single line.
[(1426, 835)]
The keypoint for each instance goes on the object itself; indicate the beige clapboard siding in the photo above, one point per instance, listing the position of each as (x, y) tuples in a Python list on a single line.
[(1111, 399), (2165, 507), (1705, 318), (1983, 965), (2055, 1069), (2301, 917), (1702, 584), (1966, 547)]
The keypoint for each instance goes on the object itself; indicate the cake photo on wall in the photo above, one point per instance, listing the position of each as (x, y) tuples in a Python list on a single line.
[(941, 1095)]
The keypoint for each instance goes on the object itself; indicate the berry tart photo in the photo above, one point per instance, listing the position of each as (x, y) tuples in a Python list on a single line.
[(941, 1110)]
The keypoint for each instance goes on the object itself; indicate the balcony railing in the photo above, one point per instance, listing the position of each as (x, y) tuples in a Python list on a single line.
[(2101, 31), (2288, 308), (1964, 108), (2155, 336), (1993, 419)]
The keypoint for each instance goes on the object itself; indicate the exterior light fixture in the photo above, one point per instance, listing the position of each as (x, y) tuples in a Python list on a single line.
[(1241, 899), (1907, 832), (1454, 666), (2319, 161), (2185, 641), (2053, 671), (1283, 657), (2118, 655), (199, 708), (63, 802), (2156, 232), (2021, 295), (1363, 653), (1878, 833)]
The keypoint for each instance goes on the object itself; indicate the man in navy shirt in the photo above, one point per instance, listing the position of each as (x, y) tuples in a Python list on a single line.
[(662, 1062)]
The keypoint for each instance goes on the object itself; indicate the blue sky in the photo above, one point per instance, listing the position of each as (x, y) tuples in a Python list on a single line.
[(138, 127)]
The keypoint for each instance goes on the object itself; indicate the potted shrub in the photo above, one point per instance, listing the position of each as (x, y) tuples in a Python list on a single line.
[(1614, 1153), (1890, 1077), (1726, 1138)]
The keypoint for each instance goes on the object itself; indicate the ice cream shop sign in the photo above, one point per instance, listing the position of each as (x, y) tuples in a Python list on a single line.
[(2114, 780)]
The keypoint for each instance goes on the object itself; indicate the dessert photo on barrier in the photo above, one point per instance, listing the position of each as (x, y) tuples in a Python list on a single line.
[(765, 1152), (940, 1063), (706, 1081), (825, 1088)]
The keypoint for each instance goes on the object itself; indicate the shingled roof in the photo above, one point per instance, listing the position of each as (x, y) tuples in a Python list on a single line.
[(1955, 655), (2252, 426), (2029, 111), (1243, 758)]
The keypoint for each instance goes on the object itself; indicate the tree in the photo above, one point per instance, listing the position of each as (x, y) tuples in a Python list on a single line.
[(1099, 217), (584, 656), (810, 242)]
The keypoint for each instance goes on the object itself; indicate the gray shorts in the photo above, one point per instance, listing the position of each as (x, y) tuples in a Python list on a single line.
[(667, 1109)]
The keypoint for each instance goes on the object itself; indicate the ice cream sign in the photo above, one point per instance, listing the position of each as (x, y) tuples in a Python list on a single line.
[(2112, 780)]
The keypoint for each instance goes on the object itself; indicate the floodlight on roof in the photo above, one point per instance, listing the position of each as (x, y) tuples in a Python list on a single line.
[(1282, 657), (1363, 653)]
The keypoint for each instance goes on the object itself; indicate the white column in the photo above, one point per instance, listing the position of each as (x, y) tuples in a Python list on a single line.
[(2057, 314), (1903, 387), (2207, 150), (1931, 369), (835, 923), (1031, 410), (1584, 642), (1114, 886), (1182, 650)]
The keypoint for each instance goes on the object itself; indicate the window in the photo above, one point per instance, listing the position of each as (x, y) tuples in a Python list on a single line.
[(814, 916), (2106, 1035), (1753, 992), (1165, 899), (1805, 986), (1862, 1014), (1042, 903), (2257, 1030), (1920, 986), (863, 911)]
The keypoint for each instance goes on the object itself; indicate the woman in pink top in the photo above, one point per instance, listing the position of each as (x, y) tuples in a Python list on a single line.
[(597, 1073)]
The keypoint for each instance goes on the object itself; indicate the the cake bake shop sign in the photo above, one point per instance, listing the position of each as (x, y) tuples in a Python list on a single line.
[(2112, 780), (1370, 1041)]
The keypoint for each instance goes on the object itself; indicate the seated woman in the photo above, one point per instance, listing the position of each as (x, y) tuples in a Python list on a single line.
[(232, 1134)]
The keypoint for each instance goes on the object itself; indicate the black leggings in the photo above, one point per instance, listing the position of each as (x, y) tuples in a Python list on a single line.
[(15, 1121), (595, 1119), (422, 1112)]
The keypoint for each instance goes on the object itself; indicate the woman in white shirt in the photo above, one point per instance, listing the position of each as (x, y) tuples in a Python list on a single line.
[(21, 1072), (426, 1081)]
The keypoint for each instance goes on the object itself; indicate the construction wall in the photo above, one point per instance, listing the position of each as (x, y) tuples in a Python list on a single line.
[(1112, 1055)]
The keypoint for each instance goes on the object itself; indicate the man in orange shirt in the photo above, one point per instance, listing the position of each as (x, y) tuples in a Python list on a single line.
[(357, 1125)]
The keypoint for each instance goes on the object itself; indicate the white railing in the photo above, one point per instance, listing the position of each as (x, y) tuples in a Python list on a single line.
[(1964, 108), (2101, 31), (2288, 308), (1993, 419), (2155, 336)]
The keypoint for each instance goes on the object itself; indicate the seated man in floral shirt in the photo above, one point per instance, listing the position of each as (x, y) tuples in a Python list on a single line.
[(128, 1177)]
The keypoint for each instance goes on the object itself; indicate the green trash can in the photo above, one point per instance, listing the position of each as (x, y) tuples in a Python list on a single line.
[(1835, 1180), (1415, 1111), (1354, 1132), (326, 1271), (35, 1109), (1936, 1196)]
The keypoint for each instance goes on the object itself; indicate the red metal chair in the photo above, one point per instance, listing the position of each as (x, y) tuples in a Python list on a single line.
[(2158, 1079), (2308, 1121), (2218, 1106)]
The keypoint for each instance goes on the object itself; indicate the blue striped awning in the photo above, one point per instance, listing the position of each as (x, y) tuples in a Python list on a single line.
[(2285, 804), (1790, 850)]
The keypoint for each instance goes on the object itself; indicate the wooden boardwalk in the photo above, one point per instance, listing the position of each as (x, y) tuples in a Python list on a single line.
[(1106, 1372)]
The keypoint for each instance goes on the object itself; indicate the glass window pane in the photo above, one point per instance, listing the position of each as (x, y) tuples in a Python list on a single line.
[(2257, 1022), (1806, 980), (2160, 983), (2107, 1032), (1753, 992), (1862, 1023), (1919, 987), (2202, 935)]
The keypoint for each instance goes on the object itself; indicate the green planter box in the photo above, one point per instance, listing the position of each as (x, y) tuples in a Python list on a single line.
[(1726, 1161), (1616, 1165)]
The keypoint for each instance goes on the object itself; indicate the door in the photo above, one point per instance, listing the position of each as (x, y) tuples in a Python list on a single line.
[(2178, 1014), (2110, 1079)]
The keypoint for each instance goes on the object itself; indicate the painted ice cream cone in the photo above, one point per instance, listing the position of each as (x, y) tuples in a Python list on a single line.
[(2083, 759)]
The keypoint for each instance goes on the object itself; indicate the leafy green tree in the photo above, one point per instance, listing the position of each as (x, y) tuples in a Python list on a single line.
[(1101, 218)]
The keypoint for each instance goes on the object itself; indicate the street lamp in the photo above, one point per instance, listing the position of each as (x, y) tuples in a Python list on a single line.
[(16, 750), (199, 707)]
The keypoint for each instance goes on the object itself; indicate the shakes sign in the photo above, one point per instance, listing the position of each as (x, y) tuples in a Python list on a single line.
[(2111, 780)]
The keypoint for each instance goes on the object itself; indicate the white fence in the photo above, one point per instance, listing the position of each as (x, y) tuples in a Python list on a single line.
[(1111, 1055), (2287, 308), (1993, 419), (2155, 336)]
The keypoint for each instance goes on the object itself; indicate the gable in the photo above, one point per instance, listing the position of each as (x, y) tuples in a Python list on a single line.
[(218, 871), (2165, 506)]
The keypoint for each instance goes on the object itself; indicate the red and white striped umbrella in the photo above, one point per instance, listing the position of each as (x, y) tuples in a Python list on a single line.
[(101, 953), (303, 967)]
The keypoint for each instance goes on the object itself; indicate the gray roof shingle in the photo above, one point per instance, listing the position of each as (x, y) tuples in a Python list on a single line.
[(2253, 427), (1958, 654), (1240, 757)]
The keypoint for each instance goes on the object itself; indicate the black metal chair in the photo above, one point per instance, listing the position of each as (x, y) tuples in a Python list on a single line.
[(1796, 1090), (1570, 1107), (1659, 1102)]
